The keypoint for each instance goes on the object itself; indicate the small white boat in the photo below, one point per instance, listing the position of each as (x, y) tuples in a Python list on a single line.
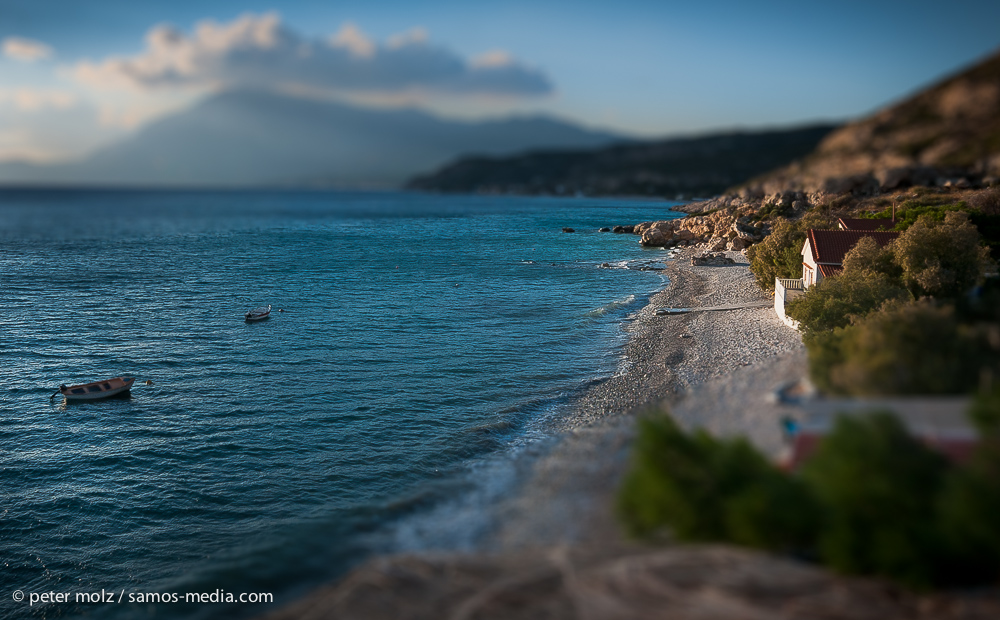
[(97, 389), (258, 314)]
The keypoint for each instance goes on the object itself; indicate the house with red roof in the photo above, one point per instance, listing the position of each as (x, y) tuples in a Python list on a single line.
[(822, 257), (824, 250)]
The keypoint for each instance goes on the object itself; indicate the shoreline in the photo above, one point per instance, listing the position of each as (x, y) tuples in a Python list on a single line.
[(567, 496), (710, 369)]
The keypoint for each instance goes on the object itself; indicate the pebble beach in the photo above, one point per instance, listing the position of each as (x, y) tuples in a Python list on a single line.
[(714, 369)]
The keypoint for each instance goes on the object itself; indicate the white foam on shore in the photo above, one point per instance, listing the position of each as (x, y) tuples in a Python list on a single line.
[(612, 306)]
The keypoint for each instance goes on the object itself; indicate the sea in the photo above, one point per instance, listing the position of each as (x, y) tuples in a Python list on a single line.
[(418, 346)]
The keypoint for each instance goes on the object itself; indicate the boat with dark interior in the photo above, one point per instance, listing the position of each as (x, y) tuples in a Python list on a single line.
[(97, 389)]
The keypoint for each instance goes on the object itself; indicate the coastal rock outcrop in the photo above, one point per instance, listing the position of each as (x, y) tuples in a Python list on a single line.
[(659, 233), (729, 224), (654, 237)]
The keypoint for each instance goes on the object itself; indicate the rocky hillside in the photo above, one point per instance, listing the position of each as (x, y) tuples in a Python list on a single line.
[(703, 166), (946, 134)]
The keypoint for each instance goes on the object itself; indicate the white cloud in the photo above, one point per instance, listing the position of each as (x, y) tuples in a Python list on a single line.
[(260, 51), (495, 58), (353, 40), (31, 99), (25, 50)]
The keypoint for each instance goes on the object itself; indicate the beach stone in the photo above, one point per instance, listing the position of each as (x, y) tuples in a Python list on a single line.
[(718, 244), (711, 258), (738, 244), (605, 229), (568, 230), (623, 229)]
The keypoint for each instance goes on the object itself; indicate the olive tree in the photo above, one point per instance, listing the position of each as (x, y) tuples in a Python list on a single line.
[(941, 259)]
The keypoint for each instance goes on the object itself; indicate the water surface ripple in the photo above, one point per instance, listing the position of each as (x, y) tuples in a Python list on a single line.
[(420, 335)]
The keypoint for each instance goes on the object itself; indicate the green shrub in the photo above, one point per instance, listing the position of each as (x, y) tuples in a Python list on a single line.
[(910, 211), (968, 510), (776, 512), (704, 488), (868, 255), (833, 302), (871, 501), (985, 413), (878, 486), (904, 348), (944, 259)]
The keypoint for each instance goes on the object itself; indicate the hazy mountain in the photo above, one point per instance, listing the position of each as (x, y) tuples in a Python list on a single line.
[(252, 138), (950, 129), (701, 166)]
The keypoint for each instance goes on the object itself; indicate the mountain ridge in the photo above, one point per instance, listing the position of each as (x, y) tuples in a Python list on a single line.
[(250, 138), (685, 166)]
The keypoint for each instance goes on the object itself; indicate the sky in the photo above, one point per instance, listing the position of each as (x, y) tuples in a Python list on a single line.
[(76, 75)]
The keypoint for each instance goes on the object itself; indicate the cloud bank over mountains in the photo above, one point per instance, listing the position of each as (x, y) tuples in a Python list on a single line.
[(256, 51), (57, 108)]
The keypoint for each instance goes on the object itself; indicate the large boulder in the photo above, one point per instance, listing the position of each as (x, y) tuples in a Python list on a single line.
[(746, 231), (711, 259), (738, 244), (654, 237), (717, 244)]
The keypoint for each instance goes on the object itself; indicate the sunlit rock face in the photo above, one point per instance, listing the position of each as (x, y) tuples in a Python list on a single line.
[(943, 135)]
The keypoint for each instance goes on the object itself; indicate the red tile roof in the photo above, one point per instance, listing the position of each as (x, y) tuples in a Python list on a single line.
[(847, 223), (830, 270), (829, 246)]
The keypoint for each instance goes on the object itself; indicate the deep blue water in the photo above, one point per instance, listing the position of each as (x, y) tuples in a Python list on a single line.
[(421, 335)]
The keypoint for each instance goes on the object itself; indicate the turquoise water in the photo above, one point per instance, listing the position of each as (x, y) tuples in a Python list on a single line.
[(419, 337)]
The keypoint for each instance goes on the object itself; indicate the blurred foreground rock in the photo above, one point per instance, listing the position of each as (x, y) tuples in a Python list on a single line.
[(679, 583)]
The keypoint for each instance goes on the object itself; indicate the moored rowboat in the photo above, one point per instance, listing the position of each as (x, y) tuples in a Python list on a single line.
[(258, 314), (97, 389)]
